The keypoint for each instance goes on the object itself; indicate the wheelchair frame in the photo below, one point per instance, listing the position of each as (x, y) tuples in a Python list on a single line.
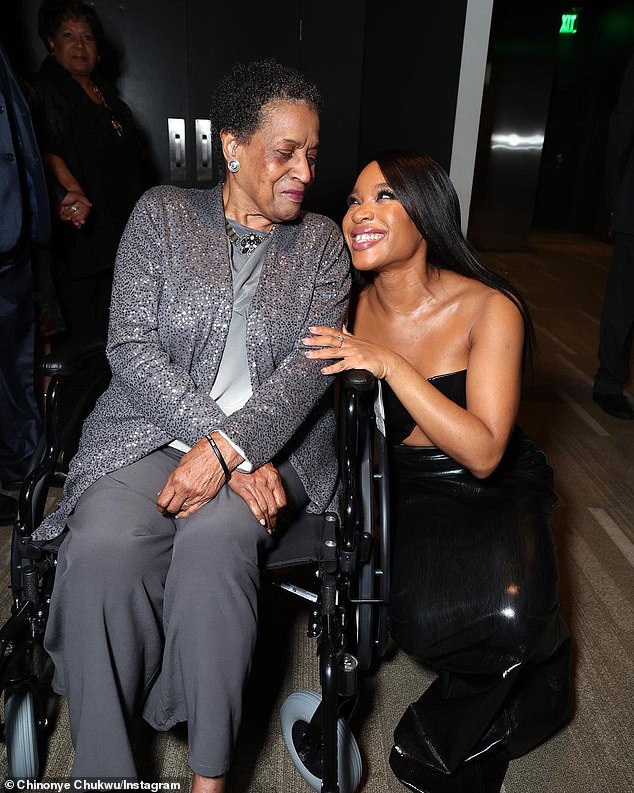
[(347, 616), (23, 663)]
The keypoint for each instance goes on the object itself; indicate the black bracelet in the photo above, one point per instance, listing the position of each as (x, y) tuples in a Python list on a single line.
[(221, 459)]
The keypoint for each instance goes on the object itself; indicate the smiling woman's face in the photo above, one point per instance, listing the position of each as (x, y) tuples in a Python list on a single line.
[(376, 227), (74, 47)]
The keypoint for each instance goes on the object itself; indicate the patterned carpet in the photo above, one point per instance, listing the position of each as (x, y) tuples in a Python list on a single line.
[(562, 277)]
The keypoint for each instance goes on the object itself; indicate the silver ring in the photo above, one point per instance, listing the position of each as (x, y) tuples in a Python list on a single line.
[(340, 337)]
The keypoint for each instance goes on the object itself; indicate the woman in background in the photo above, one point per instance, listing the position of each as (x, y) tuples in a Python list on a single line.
[(475, 580), (93, 155)]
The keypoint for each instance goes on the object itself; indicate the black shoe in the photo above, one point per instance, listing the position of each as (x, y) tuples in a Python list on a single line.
[(8, 509), (614, 405), (485, 774)]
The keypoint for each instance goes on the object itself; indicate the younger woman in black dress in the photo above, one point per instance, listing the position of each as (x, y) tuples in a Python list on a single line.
[(474, 568)]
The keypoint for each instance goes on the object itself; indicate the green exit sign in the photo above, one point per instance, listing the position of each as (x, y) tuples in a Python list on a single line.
[(568, 24)]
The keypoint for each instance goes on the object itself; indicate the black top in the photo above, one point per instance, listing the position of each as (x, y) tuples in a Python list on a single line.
[(108, 166), (398, 422), (523, 465)]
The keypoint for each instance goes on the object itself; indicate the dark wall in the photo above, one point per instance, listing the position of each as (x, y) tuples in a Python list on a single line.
[(589, 66), (410, 76), (389, 73)]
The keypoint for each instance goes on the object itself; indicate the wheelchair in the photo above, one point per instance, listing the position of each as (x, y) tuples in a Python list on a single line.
[(347, 609)]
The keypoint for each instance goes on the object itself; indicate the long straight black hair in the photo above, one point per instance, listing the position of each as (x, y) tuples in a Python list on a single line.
[(429, 198)]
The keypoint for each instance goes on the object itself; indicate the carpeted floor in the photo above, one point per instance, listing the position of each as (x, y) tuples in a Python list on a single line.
[(562, 277)]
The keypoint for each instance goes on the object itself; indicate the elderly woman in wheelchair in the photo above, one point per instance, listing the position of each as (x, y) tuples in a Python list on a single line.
[(214, 422)]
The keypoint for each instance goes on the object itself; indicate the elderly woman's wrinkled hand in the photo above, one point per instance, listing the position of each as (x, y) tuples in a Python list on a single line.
[(262, 491), (196, 479)]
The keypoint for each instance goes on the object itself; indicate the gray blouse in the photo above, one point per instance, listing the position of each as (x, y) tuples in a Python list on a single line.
[(232, 386)]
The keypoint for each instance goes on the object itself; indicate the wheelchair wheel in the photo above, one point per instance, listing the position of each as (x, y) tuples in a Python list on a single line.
[(21, 734), (295, 714)]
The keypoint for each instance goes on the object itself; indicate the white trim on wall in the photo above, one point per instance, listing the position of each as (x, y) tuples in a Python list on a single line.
[(475, 46)]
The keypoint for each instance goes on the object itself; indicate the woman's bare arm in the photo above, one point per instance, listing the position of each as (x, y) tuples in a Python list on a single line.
[(62, 173), (477, 436), (75, 206)]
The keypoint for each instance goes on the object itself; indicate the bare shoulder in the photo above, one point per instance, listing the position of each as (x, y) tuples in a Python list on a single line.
[(479, 299), (498, 320), (500, 307)]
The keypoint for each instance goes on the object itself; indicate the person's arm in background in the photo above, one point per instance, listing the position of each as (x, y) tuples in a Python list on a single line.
[(11, 202), (72, 205), (68, 197), (18, 139)]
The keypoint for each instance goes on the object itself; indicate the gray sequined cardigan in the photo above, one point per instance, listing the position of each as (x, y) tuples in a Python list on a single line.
[(169, 318)]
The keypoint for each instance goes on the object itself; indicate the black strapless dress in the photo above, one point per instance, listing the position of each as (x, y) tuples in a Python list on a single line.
[(475, 596)]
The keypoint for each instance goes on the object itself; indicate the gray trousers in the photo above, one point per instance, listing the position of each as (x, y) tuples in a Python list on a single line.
[(156, 617)]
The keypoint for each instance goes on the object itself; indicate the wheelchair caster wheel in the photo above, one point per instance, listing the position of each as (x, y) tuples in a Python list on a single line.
[(297, 711), (20, 730)]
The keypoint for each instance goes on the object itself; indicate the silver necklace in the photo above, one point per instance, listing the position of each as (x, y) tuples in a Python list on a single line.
[(247, 243)]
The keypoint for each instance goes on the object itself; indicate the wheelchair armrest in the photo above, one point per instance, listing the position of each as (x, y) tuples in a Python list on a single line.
[(79, 373), (72, 356), (358, 380)]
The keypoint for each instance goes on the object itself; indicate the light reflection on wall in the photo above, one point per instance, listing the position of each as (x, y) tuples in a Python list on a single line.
[(515, 142)]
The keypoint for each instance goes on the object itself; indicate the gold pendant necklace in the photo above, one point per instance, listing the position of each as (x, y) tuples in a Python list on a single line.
[(116, 124)]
